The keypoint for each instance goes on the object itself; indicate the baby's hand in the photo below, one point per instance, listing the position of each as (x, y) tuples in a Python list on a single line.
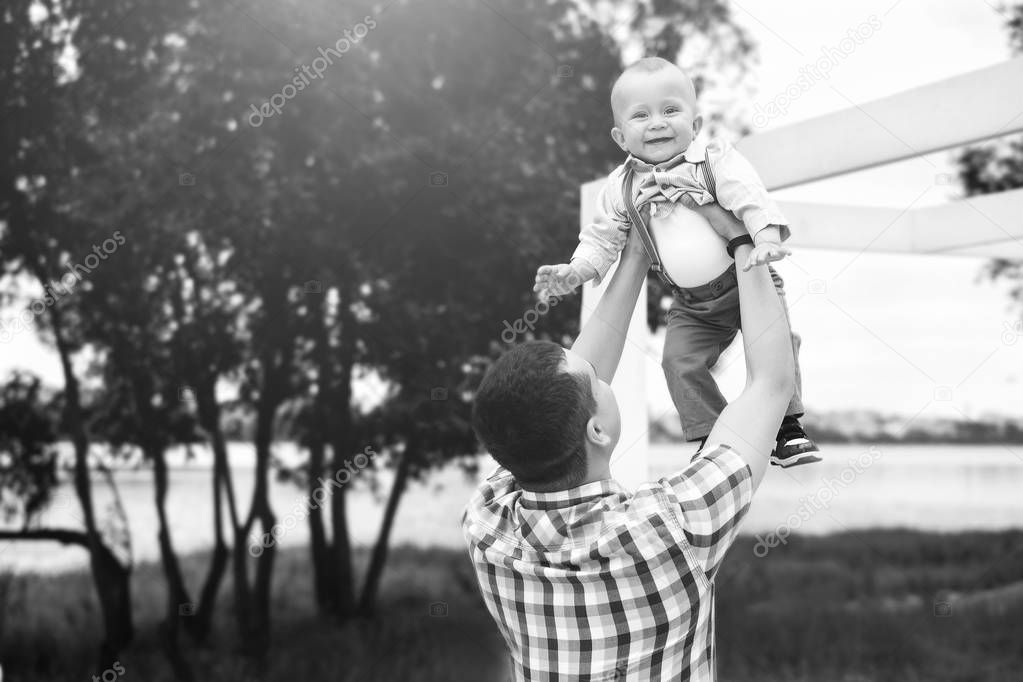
[(765, 253), (557, 280)]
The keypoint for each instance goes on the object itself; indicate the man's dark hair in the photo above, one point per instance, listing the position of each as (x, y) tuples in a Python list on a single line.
[(531, 416)]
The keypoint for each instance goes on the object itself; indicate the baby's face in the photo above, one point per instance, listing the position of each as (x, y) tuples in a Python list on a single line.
[(655, 114)]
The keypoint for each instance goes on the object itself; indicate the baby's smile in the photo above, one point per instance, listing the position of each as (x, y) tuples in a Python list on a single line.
[(655, 114)]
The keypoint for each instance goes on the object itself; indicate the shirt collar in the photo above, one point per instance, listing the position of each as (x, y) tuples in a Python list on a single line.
[(559, 499), (689, 154)]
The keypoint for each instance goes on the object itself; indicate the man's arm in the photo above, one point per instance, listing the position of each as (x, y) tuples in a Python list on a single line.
[(602, 339), (749, 424)]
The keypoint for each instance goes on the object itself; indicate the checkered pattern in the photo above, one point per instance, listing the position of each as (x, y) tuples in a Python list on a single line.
[(594, 584)]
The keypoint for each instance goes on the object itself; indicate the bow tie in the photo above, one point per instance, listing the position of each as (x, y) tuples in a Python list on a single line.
[(669, 186)]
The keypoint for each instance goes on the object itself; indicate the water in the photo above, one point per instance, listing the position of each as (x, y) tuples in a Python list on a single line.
[(937, 488)]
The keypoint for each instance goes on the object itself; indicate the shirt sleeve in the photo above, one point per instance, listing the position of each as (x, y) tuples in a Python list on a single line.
[(711, 497), (602, 240), (740, 189)]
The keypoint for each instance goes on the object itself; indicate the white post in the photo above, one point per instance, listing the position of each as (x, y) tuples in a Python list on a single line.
[(629, 464)]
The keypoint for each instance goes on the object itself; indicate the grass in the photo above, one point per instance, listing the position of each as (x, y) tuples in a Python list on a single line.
[(853, 607)]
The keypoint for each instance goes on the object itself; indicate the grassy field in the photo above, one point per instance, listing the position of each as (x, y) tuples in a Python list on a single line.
[(856, 607)]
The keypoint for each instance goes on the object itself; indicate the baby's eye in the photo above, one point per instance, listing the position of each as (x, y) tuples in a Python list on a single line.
[(639, 114), (671, 110)]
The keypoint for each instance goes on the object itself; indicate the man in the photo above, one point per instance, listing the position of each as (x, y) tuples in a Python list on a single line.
[(587, 581)]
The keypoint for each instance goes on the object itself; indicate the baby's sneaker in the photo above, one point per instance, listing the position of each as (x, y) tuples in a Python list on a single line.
[(794, 446)]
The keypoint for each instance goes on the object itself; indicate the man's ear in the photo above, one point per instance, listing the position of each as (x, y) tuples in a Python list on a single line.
[(697, 125), (596, 434), (619, 137)]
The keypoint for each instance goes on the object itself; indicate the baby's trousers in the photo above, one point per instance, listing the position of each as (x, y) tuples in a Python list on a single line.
[(701, 324)]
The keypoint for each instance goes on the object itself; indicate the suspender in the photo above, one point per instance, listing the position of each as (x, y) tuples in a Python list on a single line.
[(644, 232)]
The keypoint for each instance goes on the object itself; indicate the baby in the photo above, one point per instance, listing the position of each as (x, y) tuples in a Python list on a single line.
[(656, 120)]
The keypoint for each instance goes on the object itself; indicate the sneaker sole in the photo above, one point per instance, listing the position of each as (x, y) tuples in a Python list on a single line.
[(796, 460)]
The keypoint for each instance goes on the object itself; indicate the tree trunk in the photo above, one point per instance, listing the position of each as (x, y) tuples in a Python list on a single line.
[(113, 585), (367, 602), (325, 589), (200, 626), (269, 399), (112, 579), (341, 549), (325, 592), (342, 444), (343, 578), (179, 605)]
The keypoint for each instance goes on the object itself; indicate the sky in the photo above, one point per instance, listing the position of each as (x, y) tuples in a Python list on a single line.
[(899, 334)]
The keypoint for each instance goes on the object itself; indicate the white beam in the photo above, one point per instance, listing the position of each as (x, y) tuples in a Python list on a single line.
[(988, 225), (949, 113)]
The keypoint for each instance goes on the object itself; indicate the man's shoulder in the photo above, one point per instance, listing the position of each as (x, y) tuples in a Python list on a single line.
[(715, 469), (489, 497)]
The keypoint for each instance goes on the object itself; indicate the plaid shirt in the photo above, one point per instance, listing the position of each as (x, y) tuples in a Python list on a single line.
[(593, 583)]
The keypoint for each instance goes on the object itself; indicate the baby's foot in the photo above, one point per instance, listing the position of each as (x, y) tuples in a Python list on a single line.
[(794, 446)]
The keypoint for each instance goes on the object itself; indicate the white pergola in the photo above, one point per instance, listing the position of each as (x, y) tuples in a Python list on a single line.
[(968, 108)]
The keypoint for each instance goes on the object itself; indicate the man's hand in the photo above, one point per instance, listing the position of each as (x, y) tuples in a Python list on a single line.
[(765, 253), (729, 227), (723, 222)]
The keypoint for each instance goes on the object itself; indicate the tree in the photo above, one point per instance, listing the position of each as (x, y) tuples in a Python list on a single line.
[(385, 218), (997, 167), (36, 241)]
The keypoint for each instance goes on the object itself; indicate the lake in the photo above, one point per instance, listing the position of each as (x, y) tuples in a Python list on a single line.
[(926, 487)]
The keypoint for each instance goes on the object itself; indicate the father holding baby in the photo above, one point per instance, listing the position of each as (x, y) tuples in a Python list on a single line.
[(586, 580)]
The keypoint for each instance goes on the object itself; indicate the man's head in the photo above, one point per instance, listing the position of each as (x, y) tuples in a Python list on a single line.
[(543, 414), (654, 106)]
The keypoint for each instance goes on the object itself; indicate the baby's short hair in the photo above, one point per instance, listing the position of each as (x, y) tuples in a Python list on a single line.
[(647, 65)]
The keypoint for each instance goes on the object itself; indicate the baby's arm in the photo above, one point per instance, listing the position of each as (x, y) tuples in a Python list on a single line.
[(767, 246), (741, 191), (600, 243)]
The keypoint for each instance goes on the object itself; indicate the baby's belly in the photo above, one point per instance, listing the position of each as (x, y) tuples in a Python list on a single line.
[(691, 251)]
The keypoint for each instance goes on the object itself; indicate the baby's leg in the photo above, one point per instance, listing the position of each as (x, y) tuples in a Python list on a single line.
[(697, 334)]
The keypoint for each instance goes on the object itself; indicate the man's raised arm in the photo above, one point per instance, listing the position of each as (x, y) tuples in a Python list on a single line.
[(602, 338), (749, 424)]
